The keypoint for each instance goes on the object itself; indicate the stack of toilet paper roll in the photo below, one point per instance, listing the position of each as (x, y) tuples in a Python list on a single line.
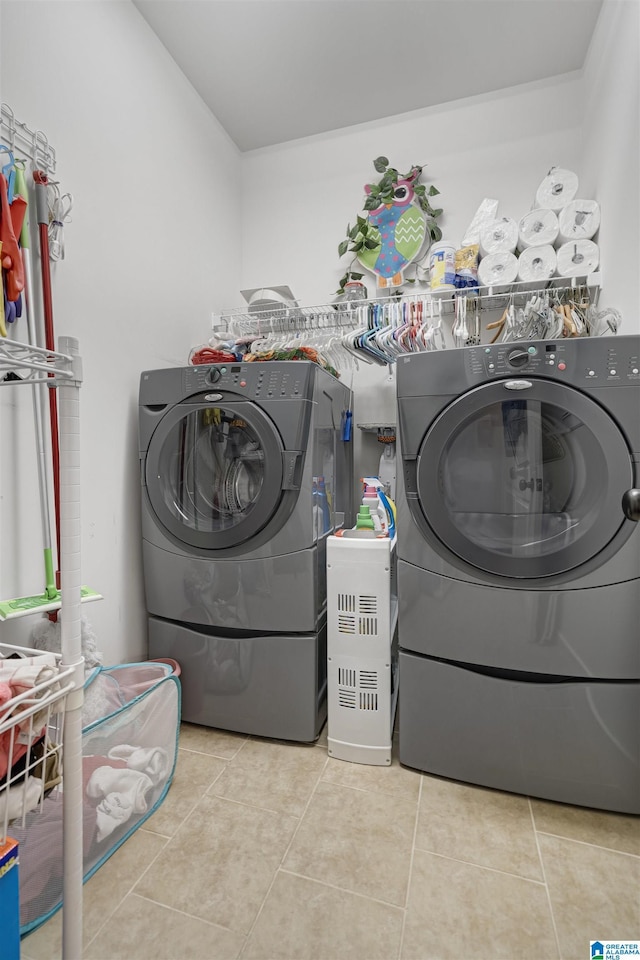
[(498, 242), (562, 221), (554, 239)]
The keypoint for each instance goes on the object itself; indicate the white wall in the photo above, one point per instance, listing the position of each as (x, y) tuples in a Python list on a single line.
[(155, 239), (611, 153), (151, 252), (298, 197)]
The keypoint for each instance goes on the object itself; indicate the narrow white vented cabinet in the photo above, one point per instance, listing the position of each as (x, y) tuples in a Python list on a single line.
[(362, 615)]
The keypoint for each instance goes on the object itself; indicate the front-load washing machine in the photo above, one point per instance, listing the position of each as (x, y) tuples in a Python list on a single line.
[(519, 567), (245, 471)]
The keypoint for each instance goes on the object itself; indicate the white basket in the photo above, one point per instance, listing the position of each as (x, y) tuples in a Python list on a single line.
[(361, 658), (31, 734)]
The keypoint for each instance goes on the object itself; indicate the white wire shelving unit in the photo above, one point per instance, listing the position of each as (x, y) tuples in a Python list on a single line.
[(56, 703), (61, 696)]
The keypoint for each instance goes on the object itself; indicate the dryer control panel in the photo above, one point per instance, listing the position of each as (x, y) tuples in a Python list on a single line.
[(611, 360), (583, 362), (256, 381)]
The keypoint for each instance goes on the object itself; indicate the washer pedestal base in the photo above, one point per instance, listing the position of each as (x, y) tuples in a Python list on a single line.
[(572, 741), (269, 686)]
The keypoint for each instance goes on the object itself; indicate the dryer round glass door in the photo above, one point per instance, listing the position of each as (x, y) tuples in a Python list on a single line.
[(214, 472), (524, 482)]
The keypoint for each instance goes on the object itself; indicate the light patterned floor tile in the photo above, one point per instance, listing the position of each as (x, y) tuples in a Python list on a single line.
[(194, 774), (276, 776), (143, 930), (217, 842), (457, 911), (486, 827), (394, 781), (221, 862), (305, 920), (217, 743), (617, 831), (595, 894), (100, 895), (357, 840)]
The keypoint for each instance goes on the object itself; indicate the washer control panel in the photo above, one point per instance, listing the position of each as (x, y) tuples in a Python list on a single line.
[(259, 380), (610, 360)]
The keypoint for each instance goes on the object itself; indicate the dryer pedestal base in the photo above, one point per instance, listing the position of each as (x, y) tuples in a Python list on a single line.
[(273, 685), (572, 741)]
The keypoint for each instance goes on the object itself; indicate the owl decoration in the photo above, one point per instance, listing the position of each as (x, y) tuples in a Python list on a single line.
[(391, 236), (401, 227)]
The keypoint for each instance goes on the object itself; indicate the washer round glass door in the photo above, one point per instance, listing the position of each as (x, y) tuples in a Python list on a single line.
[(214, 472), (524, 478)]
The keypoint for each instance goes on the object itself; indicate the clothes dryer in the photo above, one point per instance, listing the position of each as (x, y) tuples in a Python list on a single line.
[(244, 473), (519, 567)]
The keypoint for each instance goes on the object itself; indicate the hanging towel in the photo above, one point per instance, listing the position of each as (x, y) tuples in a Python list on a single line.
[(11, 258)]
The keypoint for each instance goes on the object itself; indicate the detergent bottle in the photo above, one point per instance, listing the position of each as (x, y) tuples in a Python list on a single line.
[(388, 510), (364, 520), (370, 500), (384, 506)]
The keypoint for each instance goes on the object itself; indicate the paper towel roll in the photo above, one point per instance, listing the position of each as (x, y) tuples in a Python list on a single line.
[(578, 258), (498, 268), (557, 189), (537, 229), (578, 220), (537, 263), (498, 236)]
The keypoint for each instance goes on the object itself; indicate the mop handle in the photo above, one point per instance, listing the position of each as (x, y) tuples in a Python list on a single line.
[(42, 215)]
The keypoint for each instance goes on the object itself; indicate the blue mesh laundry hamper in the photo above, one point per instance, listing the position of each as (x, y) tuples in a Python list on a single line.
[(131, 722)]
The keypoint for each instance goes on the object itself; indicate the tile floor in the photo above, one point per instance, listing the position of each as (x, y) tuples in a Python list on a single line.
[(265, 850)]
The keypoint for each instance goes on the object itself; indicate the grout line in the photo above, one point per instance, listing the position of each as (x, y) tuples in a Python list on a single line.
[(544, 876), (410, 877), (333, 886), (127, 893), (588, 843), (283, 858), (251, 806), (212, 756), (157, 833), (190, 916), (483, 866)]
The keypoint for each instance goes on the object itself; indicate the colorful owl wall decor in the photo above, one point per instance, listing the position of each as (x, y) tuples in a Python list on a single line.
[(393, 233)]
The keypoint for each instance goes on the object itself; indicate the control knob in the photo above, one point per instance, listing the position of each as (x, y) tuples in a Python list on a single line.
[(213, 375), (518, 357)]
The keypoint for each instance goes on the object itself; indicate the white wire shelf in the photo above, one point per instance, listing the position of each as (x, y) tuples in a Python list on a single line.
[(32, 144), (342, 315), (36, 364)]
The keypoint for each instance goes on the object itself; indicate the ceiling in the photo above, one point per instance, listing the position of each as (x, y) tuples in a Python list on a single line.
[(277, 70)]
